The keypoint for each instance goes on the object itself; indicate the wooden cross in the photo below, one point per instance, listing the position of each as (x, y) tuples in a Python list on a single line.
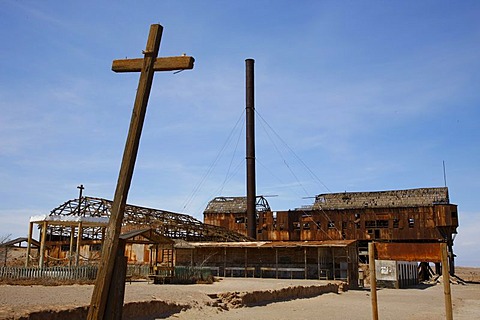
[(108, 293)]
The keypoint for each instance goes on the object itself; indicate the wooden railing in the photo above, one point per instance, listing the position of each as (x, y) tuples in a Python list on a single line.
[(60, 273)]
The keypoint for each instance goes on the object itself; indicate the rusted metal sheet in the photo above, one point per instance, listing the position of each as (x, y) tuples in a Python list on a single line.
[(274, 244), (408, 223), (408, 251), (387, 199)]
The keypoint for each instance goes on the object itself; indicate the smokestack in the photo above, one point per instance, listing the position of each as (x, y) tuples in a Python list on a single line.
[(250, 134)]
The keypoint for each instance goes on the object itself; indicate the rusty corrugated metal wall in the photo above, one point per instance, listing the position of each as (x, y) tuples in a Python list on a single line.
[(417, 214)]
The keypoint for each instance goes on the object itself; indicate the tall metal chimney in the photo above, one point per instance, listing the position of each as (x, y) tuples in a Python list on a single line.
[(250, 115)]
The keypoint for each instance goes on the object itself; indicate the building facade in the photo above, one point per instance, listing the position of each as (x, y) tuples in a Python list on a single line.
[(418, 215)]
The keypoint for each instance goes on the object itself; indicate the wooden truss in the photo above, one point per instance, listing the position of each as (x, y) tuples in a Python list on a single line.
[(169, 224)]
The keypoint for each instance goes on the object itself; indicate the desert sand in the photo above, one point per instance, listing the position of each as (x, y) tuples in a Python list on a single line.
[(223, 300)]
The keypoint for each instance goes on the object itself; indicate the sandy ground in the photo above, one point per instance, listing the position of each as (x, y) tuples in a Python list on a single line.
[(20, 300), (418, 303), (422, 302)]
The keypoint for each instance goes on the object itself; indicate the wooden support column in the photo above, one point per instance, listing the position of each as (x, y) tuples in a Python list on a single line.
[(173, 258), (334, 269), (70, 248), (191, 256), (79, 243), (305, 259), (101, 292), (347, 252), (373, 279), (246, 263), (175, 253), (318, 262), (225, 262), (438, 269), (276, 263), (42, 244), (446, 282), (29, 244), (5, 255)]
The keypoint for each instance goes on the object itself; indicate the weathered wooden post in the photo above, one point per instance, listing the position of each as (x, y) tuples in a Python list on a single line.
[(41, 261), (373, 279), (79, 242), (104, 293), (446, 281), (29, 244)]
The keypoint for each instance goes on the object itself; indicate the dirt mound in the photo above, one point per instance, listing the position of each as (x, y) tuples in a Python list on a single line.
[(231, 300), (131, 311)]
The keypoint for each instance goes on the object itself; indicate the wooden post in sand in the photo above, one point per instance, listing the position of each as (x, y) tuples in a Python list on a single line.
[(373, 280), (446, 282), (104, 293)]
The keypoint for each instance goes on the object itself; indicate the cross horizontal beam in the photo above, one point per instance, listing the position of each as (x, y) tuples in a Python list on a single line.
[(161, 64)]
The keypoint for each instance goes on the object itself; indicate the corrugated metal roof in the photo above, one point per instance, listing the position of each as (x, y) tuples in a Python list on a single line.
[(382, 199), (273, 244), (227, 205), (19, 241)]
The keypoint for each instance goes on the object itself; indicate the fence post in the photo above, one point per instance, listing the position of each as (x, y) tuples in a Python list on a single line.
[(373, 279)]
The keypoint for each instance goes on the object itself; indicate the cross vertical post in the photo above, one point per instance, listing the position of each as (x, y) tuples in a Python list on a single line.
[(103, 292)]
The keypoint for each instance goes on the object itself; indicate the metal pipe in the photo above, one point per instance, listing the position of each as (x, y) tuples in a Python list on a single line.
[(250, 156)]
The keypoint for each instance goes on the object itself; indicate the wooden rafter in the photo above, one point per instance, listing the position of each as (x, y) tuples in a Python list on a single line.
[(169, 224)]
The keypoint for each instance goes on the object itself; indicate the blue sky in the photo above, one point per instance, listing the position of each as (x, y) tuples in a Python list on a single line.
[(369, 95)]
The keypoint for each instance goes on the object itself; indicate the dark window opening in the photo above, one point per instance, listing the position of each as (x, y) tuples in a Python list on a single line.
[(376, 224), (306, 225), (395, 223), (96, 247), (296, 226), (240, 220), (319, 226), (411, 222), (66, 247), (331, 225), (370, 224), (382, 223)]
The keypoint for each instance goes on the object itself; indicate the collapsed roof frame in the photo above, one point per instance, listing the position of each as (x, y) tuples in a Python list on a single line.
[(169, 224)]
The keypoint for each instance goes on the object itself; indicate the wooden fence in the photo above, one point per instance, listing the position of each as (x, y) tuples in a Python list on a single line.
[(192, 274), (181, 274), (60, 273), (138, 270)]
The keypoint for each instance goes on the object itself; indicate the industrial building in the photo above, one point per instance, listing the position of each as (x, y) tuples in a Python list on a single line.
[(322, 241), (413, 215)]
